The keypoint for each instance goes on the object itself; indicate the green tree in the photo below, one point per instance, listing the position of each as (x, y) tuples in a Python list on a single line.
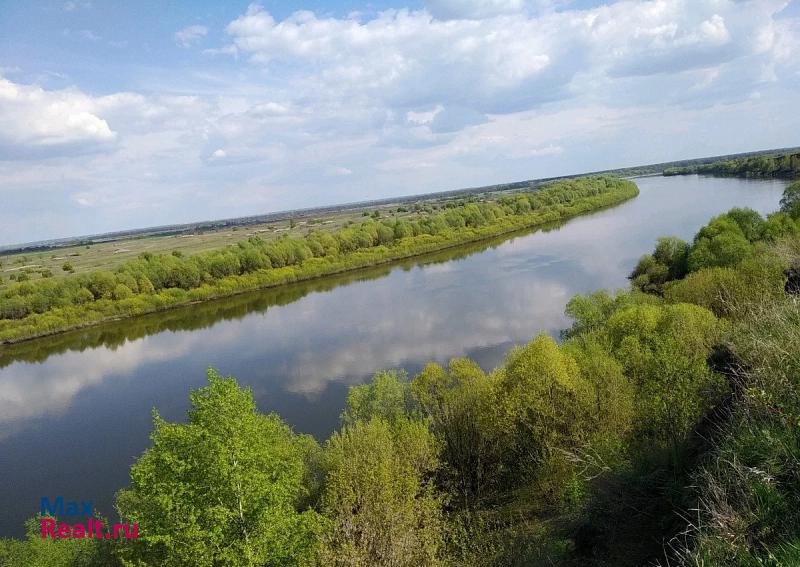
[(224, 489), (385, 397), (720, 243), (121, 291), (749, 221), (779, 225), (145, 285), (35, 551), (790, 201), (461, 403), (101, 283), (716, 289), (546, 402), (378, 497), (663, 350)]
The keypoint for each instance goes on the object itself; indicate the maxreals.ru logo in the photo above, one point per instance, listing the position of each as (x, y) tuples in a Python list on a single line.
[(59, 508)]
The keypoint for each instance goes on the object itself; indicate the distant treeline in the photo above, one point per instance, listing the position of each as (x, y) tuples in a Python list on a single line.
[(422, 200), (663, 430), (154, 282), (784, 166)]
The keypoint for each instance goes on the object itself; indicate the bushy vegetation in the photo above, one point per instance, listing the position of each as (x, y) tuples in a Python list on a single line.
[(727, 258), (664, 428), (786, 165), (157, 282)]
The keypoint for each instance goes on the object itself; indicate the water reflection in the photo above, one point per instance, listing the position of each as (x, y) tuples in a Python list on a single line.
[(75, 408)]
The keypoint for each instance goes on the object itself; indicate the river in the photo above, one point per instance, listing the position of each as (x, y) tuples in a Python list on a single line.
[(75, 409)]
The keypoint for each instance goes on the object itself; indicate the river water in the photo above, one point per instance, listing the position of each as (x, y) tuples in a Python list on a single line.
[(75, 409)]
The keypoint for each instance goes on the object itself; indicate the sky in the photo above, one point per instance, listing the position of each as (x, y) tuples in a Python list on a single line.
[(117, 115)]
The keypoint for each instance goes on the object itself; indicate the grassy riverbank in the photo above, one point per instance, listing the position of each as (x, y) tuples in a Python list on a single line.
[(152, 283)]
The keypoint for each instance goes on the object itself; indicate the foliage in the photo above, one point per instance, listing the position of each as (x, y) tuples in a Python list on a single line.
[(790, 201), (737, 238), (545, 401), (161, 281), (718, 244), (461, 403), (223, 489), (669, 261), (386, 397), (382, 509), (34, 551), (782, 165)]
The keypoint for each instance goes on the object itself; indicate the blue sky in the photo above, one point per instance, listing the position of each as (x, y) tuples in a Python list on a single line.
[(128, 114)]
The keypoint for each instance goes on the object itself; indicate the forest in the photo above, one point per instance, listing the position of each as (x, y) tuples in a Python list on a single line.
[(155, 282), (663, 428), (782, 165)]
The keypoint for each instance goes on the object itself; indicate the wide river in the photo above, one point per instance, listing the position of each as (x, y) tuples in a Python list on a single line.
[(75, 409)]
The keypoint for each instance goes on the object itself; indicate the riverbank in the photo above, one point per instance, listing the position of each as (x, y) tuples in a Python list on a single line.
[(556, 202)]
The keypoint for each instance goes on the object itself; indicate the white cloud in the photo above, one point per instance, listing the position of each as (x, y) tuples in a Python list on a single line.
[(507, 60), (35, 122), (190, 35), (313, 109)]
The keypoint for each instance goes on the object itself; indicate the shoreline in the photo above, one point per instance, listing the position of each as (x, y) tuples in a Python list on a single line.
[(379, 255)]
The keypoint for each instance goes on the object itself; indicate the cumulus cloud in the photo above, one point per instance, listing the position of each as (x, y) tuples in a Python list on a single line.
[(316, 109), (39, 123), (477, 58), (190, 35), (410, 59)]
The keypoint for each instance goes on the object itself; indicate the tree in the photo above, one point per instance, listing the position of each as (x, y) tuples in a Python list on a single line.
[(121, 291), (378, 497), (669, 261), (749, 221), (145, 285), (674, 254), (779, 225), (612, 409), (385, 397), (83, 296), (663, 351), (546, 401), (461, 403), (101, 283), (720, 243), (224, 489), (34, 551), (716, 289), (790, 201)]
